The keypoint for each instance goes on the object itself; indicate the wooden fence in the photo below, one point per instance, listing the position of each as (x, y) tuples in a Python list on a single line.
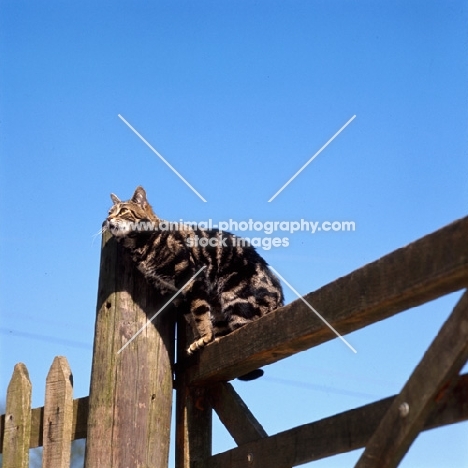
[(127, 416), (53, 426)]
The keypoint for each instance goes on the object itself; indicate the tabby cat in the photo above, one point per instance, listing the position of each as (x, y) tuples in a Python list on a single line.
[(234, 288)]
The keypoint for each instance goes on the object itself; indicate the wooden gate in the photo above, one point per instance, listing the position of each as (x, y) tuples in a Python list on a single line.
[(127, 416)]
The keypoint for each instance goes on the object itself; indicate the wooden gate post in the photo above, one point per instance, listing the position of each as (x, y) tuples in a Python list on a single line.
[(131, 391), (193, 410)]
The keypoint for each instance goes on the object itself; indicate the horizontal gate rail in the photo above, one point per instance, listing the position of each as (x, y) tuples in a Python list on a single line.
[(337, 434), (426, 269)]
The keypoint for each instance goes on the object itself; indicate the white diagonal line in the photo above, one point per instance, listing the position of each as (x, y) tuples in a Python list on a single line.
[(160, 156), (316, 313), (312, 158), (161, 309)]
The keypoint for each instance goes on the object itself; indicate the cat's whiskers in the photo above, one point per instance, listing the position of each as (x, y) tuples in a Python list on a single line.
[(101, 231)]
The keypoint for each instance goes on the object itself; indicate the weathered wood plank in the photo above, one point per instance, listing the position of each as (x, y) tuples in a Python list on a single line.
[(405, 418), (17, 420), (80, 418), (193, 414), (79, 423), (131, 392), (58, 415), (431, 267), (194, 427), (37, 427), (234, 414), (337, 434), (451, 405)]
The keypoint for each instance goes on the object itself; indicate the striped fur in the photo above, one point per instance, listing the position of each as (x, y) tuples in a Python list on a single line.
[(235, 288)]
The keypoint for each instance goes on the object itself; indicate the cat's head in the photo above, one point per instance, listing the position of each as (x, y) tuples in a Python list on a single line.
[(127, 218)]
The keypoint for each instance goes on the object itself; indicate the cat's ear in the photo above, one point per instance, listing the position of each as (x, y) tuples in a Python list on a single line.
[(140, 196), (115, 199)]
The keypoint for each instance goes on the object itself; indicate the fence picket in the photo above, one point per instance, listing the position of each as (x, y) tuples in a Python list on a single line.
[(58, 415), (17, 420)]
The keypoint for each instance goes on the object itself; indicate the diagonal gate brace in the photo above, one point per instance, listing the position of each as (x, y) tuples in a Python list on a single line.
[(406, 416), (234, 414)]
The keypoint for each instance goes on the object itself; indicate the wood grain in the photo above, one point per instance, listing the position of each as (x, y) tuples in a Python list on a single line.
[(337, 434), (58, 415), (234, 413), (442, 361), (131, 393), (431, 267), (17, 420)]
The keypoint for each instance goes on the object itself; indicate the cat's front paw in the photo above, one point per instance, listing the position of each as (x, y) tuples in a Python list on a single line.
[(198, 344)]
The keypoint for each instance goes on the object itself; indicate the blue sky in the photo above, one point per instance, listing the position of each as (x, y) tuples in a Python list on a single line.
[(237, 96)]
